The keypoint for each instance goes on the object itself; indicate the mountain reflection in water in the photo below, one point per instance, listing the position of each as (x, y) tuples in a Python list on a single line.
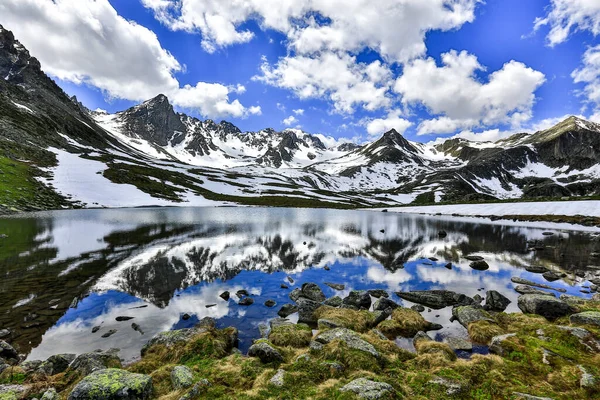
[(157, 264)]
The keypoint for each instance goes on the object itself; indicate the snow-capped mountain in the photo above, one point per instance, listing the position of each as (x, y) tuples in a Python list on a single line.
[(64, 155)]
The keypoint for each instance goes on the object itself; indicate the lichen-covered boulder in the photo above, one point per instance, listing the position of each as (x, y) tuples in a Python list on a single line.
[(306, 310), (12, 392), (467, 314), (265, 352), (278, 378), (586, 318), (335, 301), (367, 389), (50, 394), (313, 292), (546, 306), (55, 364), (351, 338), (86, 363), (113, 384), (181, 377)]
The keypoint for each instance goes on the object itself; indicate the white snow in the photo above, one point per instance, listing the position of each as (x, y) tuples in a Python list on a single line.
[(568, 208), (21, 106)]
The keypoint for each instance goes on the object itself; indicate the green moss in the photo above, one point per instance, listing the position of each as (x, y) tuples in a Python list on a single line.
[(297, 335), (359, 321)]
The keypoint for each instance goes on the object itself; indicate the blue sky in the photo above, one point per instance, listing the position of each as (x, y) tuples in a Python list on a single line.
[(413, 93)]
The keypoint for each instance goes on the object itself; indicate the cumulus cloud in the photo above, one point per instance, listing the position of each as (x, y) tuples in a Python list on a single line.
[(289, 121), (299, 111), (453, 92), (394, 28), (589, 74), (85, 41), (336, 77), (391, 121), (567, 16)]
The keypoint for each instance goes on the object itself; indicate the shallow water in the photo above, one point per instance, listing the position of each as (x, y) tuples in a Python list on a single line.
[(158, 264)]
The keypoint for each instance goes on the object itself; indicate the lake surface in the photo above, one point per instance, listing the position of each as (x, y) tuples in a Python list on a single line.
[(158, 264)]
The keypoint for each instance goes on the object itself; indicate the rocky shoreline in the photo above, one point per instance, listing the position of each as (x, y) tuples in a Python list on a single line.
[(346, 348)]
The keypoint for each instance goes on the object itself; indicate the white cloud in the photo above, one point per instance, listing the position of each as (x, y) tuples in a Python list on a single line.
[(566, 16), (589, 74), (392, 121), (289, 121), (336, 77), (394, 28), (454, 93), (299, 111), (85, 41)]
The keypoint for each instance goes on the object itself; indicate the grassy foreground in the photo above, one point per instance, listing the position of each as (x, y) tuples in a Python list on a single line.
[(542, 358)]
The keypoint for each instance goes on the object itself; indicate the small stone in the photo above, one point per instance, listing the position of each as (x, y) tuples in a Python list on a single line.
[(587, 381), (315, 346), (524, 289), (264, 330), (474, 258), (326, 268), (225, 295), (313, 292), (278, 378), (335, 301), (270, 303), (7, 351), (448, 266), (551, 276), (186, 316), (95, 329), (417, 308), (137, 328), (4, 333), (536, 269), (442, 234), (496, 344), (246, 301), (121, 319), (351, 338), (210, 305), (181, 377), (479, 265), (241, 293), (367, 389), (378, 293), (50, 394), (495, 301), (284, 286), (457, 343), (109, 333), (359, 299), (290, 279)]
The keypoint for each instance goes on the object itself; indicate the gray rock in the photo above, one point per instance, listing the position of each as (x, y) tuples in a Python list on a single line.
[(336, 286), (495, 301), (181, 377), (496, 344), (359, 299), (313, 292), (86, 363), (385, 303), (367, 389), (452, 388), (315, 346), (478, 299), (436, 299), (524, 289), (546, 306), (306, 310), (333, 366), (457, 343), (467, 314), (516, 279), (327, 324), (264, 330), (246, 301), (295, 294), (55, 364), (378, 293), (278, 378), (7, 351), (551, 276), (4, 333), (587, 381), (50, 394), (417, 308), (113, 384), (225, 295), (585, 337), (351, 338), (286, 310), (270, 303), (30, 366), (421, 336), (381, 315), (109, 333), (171, 338), (586, 318), (536, 269), (12, 392), (335, 301), (379, 334), (525, 396), (265, 352), (200, 386)]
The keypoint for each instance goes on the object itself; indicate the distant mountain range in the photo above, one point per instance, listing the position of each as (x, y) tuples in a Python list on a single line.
[(55, 153)]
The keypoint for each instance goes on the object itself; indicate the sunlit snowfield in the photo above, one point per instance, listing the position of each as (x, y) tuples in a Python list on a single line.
[(158, 264)]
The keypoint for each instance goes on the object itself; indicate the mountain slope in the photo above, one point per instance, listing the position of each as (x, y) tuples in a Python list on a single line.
[(55, 153)]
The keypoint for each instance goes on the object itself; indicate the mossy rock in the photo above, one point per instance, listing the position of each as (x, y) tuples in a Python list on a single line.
[(294, 335), (359, 321), (405, 322), (113, 384)]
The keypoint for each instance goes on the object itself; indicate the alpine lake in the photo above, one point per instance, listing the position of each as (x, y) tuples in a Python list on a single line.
[(71, 277)]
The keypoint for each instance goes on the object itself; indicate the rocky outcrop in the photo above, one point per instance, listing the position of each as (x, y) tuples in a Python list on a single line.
[(265, 352), (86, 363), (436, 299), (350, 338), (114, 384), (546, 306)]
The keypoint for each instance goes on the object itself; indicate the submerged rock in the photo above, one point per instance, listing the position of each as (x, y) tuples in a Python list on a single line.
[(536, 269), (367, 389), (546, 306), (270, 303), (524, 289), (246, 301), (336, 286), (479, 265), (522, 281), (114, 384)]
